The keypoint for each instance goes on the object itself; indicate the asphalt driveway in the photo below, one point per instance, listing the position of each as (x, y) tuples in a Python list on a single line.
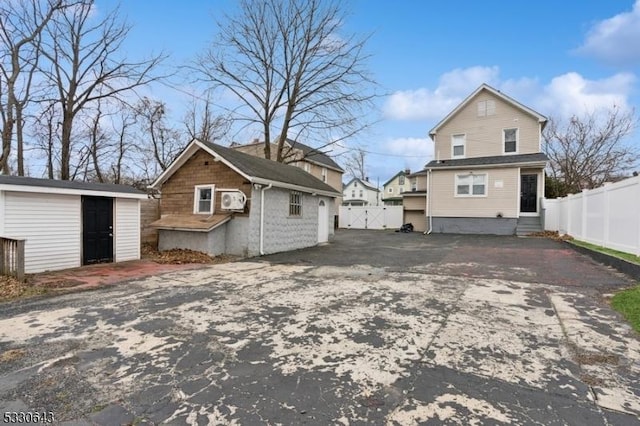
[(376, 327)]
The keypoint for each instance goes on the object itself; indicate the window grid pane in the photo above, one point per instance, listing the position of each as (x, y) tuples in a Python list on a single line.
[(458, 150), (295, 203)]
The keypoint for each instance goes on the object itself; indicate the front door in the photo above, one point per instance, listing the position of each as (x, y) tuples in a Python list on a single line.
[(528, 193), (97, 230)]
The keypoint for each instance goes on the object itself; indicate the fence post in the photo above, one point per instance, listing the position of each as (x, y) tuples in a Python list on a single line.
[(583, 229), (2, 257), (607, 212), (19, 256)]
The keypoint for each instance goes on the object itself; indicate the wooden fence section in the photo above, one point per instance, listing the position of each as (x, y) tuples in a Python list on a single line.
[(608, 216), (12, 257)]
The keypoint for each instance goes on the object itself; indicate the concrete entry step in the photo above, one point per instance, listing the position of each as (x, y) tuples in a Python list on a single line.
[(528, 225)]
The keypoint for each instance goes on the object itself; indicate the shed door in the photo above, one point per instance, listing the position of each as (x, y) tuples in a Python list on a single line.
[(323, 222), (97, 230), (528, 193)]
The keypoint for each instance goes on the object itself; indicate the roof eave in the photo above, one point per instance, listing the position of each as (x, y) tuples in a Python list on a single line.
[(263, 181), (492, 166)]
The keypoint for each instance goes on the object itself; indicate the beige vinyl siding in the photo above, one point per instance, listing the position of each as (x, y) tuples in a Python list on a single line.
[(414, 203), (503, 199), (421, 182), (417, 219), (51, 225), (483, 135), (127, 229)]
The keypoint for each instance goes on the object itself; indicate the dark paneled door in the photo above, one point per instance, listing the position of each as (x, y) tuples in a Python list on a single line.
[(528, 193), (97, 230)]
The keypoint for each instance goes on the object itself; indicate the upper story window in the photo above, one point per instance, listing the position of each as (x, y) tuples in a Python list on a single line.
[(458, 146), (295, 203), (469, 185), (353, 193), (324, 174), (510, 138), (486, 108), (414, 184), (390, 190), (306, 167), (401, 180), (361, 193), (203, 199)]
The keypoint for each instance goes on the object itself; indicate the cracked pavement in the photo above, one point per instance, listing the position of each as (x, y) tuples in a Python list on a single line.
[(377, 327)]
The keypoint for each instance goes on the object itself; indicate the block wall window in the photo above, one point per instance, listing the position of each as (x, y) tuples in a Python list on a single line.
[(469, 185), (295, 203), (458, 143), (203, 199), (510, 137)]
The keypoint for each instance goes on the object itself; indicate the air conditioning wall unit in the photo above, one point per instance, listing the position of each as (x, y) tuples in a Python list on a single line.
[(232, 200)]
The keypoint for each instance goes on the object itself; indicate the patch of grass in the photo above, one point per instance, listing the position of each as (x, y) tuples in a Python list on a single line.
[(627, 302), (11, 289), (619, 254)]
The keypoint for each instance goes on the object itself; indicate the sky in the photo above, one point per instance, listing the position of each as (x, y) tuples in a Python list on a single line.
[(559, 58)]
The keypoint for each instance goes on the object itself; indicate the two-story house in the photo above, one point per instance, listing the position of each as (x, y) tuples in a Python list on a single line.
[(488, 173), (311, 160), (393, 188), (360, 192)]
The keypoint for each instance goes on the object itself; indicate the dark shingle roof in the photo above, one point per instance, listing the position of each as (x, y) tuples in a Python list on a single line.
[(269, 169), (67, 184), (489, 161), (313, 154)]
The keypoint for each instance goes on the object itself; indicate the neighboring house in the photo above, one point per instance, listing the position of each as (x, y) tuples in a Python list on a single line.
[(359, 192), (309, 159), (67, 224), (414, 201), (220, 200), (488, 175), (393, 188)]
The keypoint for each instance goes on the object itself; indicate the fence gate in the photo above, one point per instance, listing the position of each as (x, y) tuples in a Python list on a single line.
[(370, 217)]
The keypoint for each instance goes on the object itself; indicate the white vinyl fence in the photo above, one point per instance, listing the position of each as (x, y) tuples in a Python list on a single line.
[(370, 217), (608, 216)]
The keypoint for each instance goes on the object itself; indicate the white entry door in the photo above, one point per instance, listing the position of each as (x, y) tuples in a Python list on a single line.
[(323, 222)]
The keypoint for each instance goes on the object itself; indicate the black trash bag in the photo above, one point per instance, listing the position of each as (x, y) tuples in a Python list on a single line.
[(407, 227)]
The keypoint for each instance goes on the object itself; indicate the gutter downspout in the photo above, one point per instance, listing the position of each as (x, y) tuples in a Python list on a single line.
[(428, 231), (264, 188)]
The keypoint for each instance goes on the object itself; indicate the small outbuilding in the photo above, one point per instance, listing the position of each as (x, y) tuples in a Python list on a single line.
[(66, 224), (219, 200)]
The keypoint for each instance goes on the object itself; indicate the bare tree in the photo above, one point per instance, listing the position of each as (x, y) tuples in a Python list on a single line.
[(291, 70), (201, 122), (165, 143), (355, 164), (590, 150), (22, 23), (85, 65)]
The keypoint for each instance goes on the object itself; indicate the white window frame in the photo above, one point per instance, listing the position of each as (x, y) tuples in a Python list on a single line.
[(390, 190), (324, 174), (464, 145), (470, 185), (196, 198), (504, 141)]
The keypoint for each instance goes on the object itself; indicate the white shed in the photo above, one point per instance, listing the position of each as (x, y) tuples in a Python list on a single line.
[(67, 224)]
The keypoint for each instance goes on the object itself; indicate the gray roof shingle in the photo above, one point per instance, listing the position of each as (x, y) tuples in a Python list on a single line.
[(269, 169), (496, 160), (313, 154), (67, 184)]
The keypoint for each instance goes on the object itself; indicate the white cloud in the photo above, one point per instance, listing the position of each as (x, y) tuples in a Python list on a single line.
[(615, 40), (572, 94), (416, 151), (565, 95), (453, 87)]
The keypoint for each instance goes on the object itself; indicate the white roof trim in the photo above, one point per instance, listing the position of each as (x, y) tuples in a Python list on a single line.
[(69, 191), (541, 118), (491, 166), (295, 187)]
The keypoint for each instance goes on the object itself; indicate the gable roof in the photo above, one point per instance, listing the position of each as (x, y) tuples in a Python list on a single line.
[(401, 172), (255, 169), (315, 155), (537, 158), (541, 118), (54, 186), (364, 183)]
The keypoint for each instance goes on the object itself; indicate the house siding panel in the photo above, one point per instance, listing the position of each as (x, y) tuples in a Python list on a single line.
[(200, 169), (51, 224), (484, 134), (417, 219), (127, 229), (499, 199)]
